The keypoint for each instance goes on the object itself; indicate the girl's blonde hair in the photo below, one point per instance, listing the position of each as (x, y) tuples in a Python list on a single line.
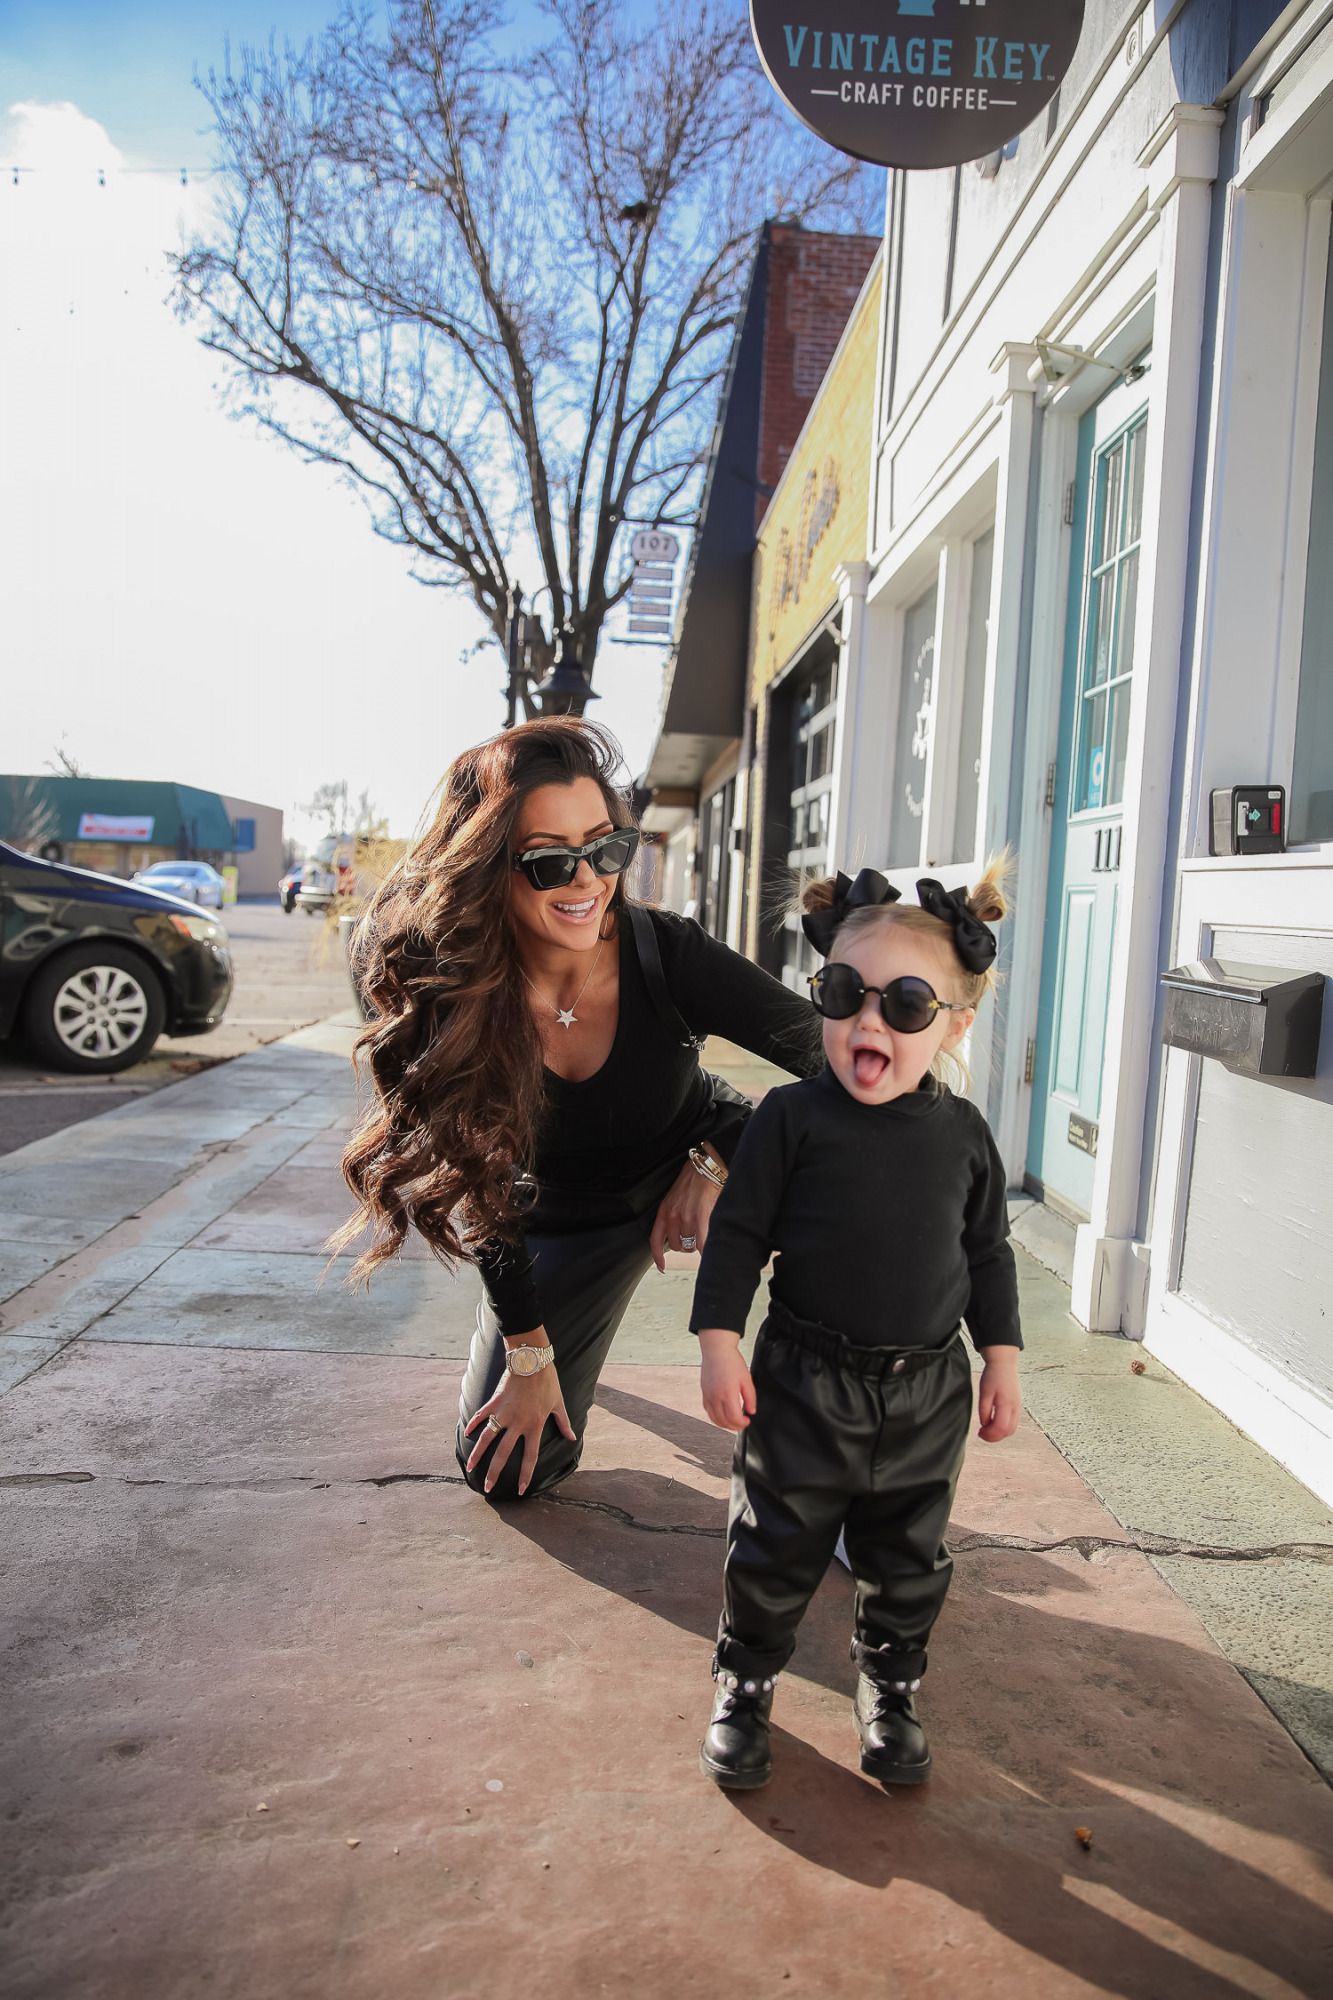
[(986, 900)]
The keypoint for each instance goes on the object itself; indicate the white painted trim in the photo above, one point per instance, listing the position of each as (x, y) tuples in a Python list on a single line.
[(1256, 500), (1050, 589), (1105, 1268), (950, 638), (851, 580), (1278, 892), (1290, 1423)]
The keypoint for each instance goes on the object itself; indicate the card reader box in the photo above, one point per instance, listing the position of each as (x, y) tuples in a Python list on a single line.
[(1248, 819)]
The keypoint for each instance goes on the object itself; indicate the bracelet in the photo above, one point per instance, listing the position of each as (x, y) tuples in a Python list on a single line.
[(708, 1167)]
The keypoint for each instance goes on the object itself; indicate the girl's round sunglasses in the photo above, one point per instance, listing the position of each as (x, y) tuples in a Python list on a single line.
[(908, 1005), (556, 867)]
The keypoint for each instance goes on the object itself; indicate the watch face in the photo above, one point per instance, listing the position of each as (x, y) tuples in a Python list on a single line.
[(523, 1360)]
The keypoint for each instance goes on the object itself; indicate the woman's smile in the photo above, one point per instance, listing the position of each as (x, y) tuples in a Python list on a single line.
[(582, 911)]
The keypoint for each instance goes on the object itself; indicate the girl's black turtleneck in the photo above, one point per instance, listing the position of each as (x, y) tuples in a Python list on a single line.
[(889, 1221)]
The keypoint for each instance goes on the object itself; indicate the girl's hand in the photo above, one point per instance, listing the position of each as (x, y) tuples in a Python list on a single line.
[(724, 1380), (684, 1212), (521, 1406), (999, 1398)]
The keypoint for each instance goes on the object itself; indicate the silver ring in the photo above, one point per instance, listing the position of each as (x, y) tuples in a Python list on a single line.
[(688, 1242), (491, 1425)]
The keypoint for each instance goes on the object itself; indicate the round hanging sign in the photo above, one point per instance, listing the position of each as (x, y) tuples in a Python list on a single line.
[(916, 83)]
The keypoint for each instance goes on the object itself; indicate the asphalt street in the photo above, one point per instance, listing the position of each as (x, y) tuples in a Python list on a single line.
[(289, 972)]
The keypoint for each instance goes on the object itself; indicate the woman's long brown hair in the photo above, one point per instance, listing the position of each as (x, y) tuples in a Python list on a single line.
[(453, 1051)]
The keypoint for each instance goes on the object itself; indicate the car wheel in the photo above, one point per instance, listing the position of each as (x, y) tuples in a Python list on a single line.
[(95, 1009)]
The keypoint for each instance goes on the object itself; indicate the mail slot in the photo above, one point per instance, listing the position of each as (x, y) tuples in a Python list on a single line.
[(1259, 1020)]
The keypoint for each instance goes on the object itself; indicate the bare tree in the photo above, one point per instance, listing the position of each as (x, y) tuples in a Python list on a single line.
[(64, 764), (330, 803), (496, 287), (27, 817)]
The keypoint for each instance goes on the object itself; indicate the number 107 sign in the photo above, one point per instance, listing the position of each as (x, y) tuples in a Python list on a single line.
[(916, 83)]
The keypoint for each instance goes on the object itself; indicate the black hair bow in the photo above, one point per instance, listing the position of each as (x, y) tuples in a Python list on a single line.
[(973, 941), (869, 888)]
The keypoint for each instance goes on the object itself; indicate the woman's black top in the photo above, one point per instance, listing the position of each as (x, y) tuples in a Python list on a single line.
[(610, 1147), (890, 1221)]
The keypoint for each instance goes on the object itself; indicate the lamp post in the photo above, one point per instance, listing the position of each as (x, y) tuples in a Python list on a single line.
[(567, 689), (514, 649)]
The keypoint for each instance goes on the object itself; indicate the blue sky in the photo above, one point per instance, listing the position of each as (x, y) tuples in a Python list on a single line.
[(221, 610), (131, 67)]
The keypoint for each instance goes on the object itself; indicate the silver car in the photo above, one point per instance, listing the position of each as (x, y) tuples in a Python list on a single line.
[(192, 881)]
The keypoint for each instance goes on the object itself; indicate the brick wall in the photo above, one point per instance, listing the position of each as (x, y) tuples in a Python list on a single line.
[(813, 283)]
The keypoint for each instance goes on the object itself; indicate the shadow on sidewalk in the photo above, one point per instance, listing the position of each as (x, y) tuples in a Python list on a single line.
[(1051, 1703)]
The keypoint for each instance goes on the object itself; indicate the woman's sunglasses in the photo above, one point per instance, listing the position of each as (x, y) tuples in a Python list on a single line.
[(556, 867), (908, 1005)]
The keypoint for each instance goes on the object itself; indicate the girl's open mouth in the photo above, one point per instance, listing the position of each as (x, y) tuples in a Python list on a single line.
[(868, 1067), (576, 911)]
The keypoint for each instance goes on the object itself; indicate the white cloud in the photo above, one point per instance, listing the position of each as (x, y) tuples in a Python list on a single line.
[(183, 597)]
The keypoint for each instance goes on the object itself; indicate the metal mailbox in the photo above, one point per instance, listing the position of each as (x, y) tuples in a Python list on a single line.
[(1258, 1020)]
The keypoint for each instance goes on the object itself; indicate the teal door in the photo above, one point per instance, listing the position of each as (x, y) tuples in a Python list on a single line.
[(1090, 785)]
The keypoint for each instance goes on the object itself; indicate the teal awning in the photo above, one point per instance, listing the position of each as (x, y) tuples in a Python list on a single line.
[(144, 813)]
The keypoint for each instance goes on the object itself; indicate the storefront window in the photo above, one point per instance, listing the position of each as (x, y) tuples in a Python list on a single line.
[(1312, 768), (813, 732), (715, 859), (967, 790), (909, 760)]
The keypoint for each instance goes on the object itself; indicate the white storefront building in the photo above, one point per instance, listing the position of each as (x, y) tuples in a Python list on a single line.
[(1099, 583)]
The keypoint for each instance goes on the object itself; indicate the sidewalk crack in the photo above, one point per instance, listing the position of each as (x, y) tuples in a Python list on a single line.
[(1148, 1544)]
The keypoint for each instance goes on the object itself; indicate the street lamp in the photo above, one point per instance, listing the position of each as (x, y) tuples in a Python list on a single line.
[(567, 689)]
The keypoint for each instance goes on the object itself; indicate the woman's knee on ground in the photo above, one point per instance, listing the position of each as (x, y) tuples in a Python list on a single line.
[(506, 1483)]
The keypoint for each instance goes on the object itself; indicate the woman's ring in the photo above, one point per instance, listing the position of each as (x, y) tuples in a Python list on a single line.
[(491, 1425), (687, 1242)]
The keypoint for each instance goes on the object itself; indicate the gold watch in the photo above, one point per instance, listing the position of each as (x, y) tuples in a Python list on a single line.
[(528, 1360)]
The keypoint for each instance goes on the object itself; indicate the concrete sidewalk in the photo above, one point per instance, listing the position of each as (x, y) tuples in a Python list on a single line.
[(290, 1712)]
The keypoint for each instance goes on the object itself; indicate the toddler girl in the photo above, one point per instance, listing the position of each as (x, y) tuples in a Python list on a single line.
[(883, 1196)]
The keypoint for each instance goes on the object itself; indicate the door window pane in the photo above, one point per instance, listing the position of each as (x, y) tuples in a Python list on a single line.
[(1312, 767), (909, 760), (1079, 911), (1108, 627), (967, 790), (716, 859)]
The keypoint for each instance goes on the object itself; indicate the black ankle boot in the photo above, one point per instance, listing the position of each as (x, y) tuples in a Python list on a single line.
[(735, 1751), (893, 1743)]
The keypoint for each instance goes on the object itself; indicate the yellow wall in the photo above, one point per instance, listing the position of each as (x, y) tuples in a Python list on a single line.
[(817, 519), (818, 516)]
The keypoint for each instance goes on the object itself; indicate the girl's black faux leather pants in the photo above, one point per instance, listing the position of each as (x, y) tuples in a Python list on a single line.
[(863, 1441)]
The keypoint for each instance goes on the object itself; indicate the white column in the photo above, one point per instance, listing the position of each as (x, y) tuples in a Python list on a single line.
[(937, 781), (852, 580), (1014, 396), (1050, 581), (1110, 1268)]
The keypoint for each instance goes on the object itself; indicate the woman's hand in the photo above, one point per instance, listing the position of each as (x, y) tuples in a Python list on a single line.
[(999, 1398), (521, 1406), (684, 1213), (724, 1380)]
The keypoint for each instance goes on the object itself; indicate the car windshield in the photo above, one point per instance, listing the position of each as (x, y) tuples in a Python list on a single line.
[(168, 868)]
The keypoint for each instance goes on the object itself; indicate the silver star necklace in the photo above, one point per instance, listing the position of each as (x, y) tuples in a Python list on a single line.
[(566, 1015)]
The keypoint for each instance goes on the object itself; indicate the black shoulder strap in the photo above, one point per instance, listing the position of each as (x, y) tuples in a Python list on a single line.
[(650, 959)]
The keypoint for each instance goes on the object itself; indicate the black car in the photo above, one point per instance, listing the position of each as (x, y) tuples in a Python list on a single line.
[(94, 969)]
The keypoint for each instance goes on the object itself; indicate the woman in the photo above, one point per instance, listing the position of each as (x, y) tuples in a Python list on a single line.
[(540, 1108)]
